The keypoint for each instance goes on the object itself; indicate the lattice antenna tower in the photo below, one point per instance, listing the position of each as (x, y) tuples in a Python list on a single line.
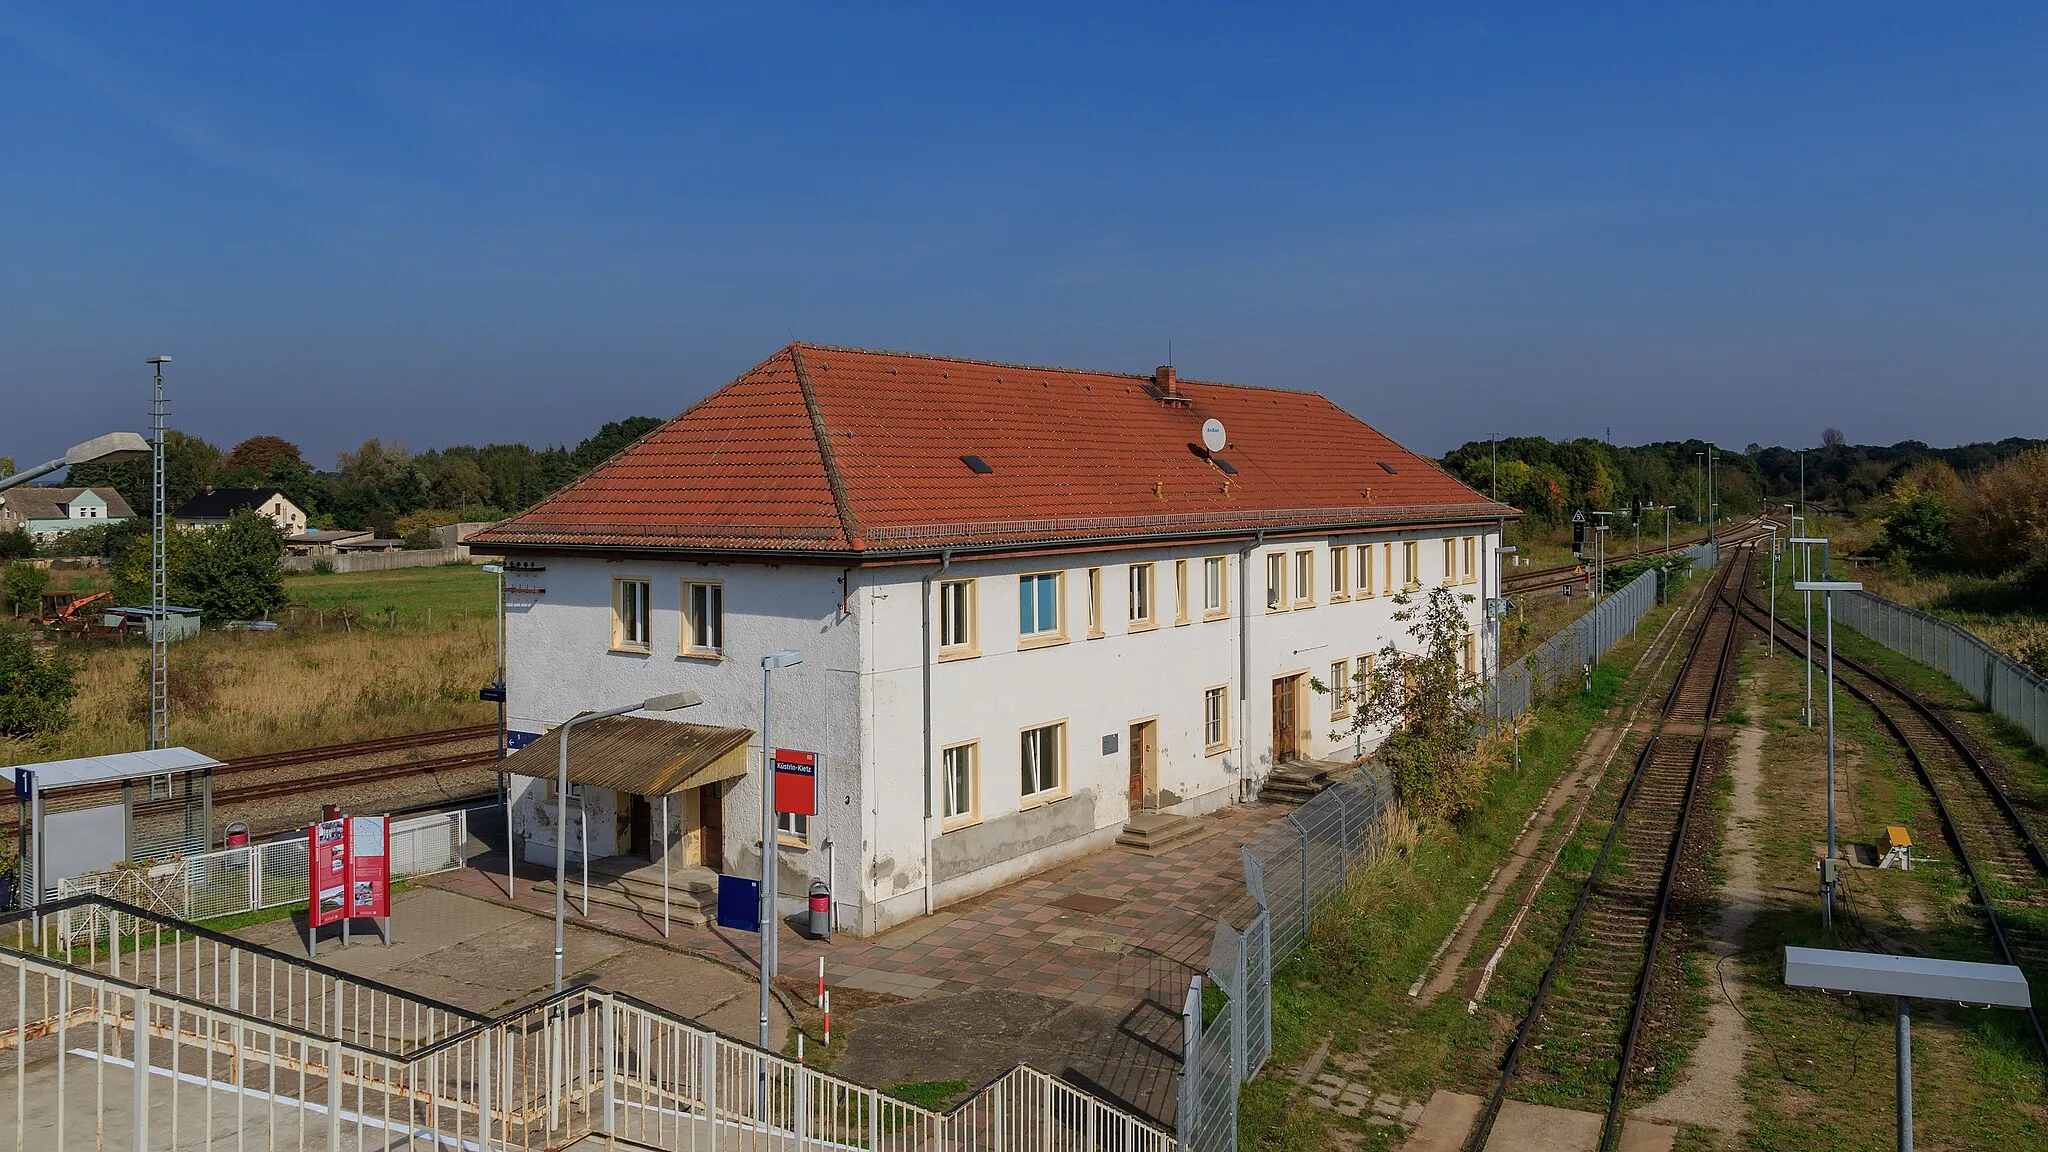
[(159, 631)]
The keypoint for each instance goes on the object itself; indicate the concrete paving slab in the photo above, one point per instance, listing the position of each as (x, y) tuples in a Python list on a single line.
[(1447, 1119)]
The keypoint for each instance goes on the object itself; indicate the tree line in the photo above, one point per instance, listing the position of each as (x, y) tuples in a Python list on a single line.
[(380, 486), (1549, 480)]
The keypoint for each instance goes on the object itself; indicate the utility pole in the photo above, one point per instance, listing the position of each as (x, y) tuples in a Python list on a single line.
[(159, 627), (1493, 441), (1699, 515)]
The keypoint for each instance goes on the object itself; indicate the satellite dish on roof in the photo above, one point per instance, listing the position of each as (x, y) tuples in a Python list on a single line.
[(1212, 435)]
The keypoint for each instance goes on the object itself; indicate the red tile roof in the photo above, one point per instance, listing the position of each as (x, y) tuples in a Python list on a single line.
[(822, 449)]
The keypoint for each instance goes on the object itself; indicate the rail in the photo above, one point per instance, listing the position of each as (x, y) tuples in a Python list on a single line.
[(1846, 667), (1482, 1127)]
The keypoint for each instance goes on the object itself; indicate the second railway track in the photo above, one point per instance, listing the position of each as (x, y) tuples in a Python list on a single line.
[(1589, 1009)]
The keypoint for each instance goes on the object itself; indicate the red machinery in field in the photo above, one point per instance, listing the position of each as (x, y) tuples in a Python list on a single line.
[(72, 611)]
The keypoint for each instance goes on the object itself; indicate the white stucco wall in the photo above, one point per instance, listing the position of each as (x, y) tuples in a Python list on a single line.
[(858, 698), (559, 662)]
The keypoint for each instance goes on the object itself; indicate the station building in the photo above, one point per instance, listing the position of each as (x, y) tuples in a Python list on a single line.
[(1034, 604)]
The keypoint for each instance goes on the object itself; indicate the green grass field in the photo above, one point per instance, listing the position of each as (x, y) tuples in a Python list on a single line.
[(447, 592)]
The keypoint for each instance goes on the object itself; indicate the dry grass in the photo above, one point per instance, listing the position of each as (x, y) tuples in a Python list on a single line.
[(239, 694)]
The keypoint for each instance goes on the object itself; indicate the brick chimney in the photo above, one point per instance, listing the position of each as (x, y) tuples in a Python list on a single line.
[(1166, 380)]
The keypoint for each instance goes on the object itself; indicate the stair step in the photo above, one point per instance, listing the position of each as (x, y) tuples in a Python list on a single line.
[(1153, 833)]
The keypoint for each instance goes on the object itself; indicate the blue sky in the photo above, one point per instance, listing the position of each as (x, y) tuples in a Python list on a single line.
[(462, 223)]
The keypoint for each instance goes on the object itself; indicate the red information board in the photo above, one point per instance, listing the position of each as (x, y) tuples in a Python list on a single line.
[(348, 873), (369, 866), (328, 894), (796, 782)]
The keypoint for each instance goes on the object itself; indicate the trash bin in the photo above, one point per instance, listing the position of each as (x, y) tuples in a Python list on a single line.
[(237, 835), (821, 911)]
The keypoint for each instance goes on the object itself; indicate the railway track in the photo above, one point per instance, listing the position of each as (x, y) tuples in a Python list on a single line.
[(356, 748), (1602, 972), (1989, 835)]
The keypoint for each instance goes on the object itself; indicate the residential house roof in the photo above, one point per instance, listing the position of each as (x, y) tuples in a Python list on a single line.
[(840, 450), (32, 502), (221, 503)]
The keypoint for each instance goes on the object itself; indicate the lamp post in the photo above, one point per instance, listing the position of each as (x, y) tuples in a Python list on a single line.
[(1599, 556), (1827, 590), (1771, 640), (1496, 614), (496, 690), (1803, 574), (1668, 510), (1699, 514), (668, 703), (1493, 442), (787, 658)]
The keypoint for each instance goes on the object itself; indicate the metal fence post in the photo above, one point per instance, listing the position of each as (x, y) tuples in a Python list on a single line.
[(1240, 1003), (1304, 878), (1188, 1115), (608, 1055), (334, 1094)]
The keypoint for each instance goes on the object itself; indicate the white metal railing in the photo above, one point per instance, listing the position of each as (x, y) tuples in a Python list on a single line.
[(205, 885), (246, 1047)]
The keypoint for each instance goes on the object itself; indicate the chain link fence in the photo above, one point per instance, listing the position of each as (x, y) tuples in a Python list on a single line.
[(1997, 681), (1580, 646), (1227, 1023)]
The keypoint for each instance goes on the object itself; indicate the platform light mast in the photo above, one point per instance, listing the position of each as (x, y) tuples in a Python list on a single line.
[(159, 634)]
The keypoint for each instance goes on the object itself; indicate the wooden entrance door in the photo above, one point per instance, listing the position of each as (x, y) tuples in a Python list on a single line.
[(711, 826), (1284, 744), (1144, 744)]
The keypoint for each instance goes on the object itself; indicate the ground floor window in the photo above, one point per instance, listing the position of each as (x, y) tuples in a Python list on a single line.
[(793, 828), (962, 801), (1215, 718), (1041, 759)]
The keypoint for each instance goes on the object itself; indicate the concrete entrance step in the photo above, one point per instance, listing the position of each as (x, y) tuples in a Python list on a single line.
[(635, 886), (1447, 1123), (1156, 833), (1298, 781)]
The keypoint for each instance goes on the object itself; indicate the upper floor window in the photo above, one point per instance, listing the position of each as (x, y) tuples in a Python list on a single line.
[(1450, 560), (1304, 578), (1276, 581), (1411, 565), (1365, 569), (1340, 689), (1141, 595), (1180, 591), (1042, 761), (1340, 572), (1038, 605), (956, 614), (629, 615), (1094, 603), (1387, 567), (703, 618), (1471, 558), (1213, 603)]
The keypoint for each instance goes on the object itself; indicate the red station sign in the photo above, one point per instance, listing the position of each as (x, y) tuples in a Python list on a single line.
[(349, 873), (796, 782)]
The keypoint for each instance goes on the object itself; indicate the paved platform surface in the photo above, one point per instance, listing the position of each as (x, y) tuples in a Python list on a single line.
[(1447, 1121), (487, 958), (1090, 990)]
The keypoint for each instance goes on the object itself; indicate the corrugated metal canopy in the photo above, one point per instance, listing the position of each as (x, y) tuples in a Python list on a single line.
[(640, 755)]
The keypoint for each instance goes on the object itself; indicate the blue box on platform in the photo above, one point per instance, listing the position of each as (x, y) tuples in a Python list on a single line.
[(739, 903)]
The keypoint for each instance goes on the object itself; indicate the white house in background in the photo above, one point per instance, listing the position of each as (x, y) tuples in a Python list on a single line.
[(213, 507), (1033, 605), (44, 512)]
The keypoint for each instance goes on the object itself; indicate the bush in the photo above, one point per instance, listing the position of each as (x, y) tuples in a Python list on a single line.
[(324, 566), (231, 572), (22, 586), (16, 543), (35, 690), (1432, 753)]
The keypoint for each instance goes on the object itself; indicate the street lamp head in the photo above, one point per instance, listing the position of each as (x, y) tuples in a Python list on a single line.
[(1506, 549), (495, 569), (672, 702), (108, 449), (1827, 586), (159, 360), (783, 659)]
